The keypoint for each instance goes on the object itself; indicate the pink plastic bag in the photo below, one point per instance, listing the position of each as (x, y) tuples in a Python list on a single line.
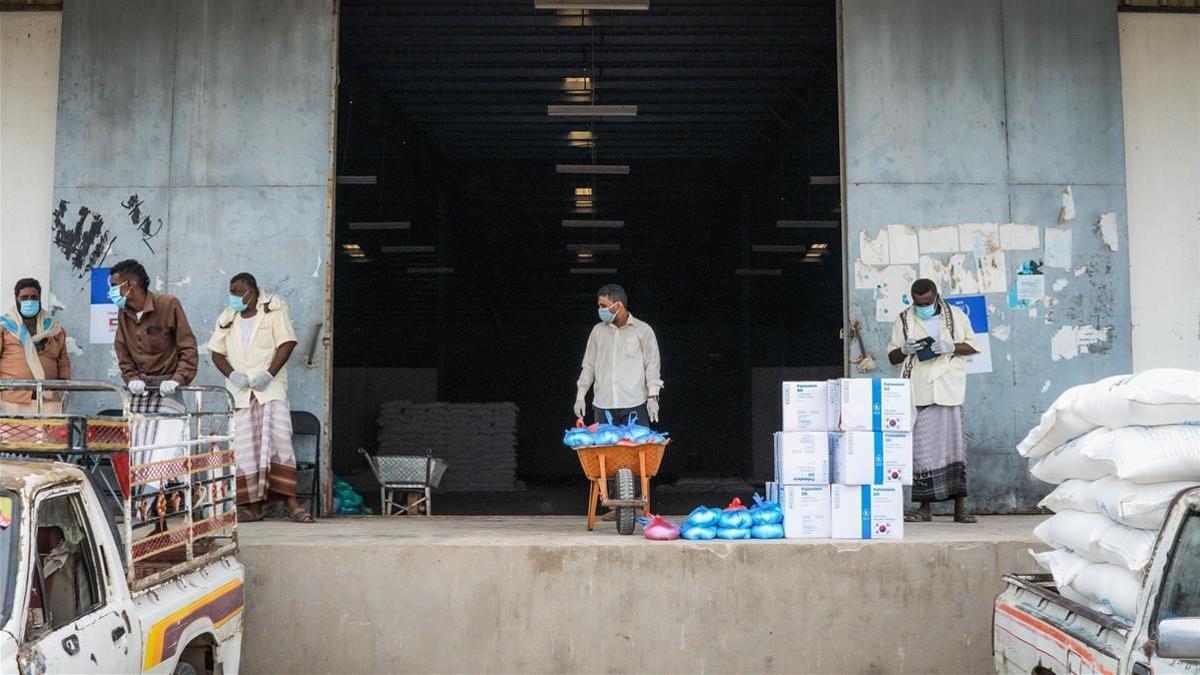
[(657, 528)]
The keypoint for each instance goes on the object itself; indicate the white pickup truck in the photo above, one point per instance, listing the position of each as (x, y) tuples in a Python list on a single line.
[(118, 543), (1037, 630)]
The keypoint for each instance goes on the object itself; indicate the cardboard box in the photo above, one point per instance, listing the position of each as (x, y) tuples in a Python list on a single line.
[(802, 457), (805, 511), (810, 406), (872, 457), (867, 511), (875, 405)]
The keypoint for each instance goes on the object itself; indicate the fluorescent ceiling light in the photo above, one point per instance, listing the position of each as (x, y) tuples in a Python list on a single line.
[(351, 247), (408, 249), (583, 203), (819, 247), (620, 5), (811, 259), (808, 224), (593, 247), (777, 248), (584, 256), (746, 272), (593, 270), (592, 168), (356, 180), (584, 191), (382, 225), (580, 139), (591, 110), (430, 270), (598, 224), (824, 180)]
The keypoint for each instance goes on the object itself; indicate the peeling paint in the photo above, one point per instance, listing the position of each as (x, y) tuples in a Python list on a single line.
[(991, 308), (1060, 284), (159, 284), (1033, 313), (1046, 386), (317, 269), (1107, 226), (874, 251), (182, 282), (1072, 341), (1001, 333), (73, 347), (1080, 271)]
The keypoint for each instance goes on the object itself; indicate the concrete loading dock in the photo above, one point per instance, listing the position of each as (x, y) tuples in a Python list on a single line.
[(502, 595)]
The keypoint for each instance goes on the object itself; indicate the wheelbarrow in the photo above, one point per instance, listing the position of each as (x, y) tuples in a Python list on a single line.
[(628, 465)]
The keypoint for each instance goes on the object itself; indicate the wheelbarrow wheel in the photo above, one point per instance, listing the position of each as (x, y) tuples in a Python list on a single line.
[(626, 490)]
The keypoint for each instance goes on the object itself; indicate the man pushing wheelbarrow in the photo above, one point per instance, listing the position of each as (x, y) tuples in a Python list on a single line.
[(622, 367)]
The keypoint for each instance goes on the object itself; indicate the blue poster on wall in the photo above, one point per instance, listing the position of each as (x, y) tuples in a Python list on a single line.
[(103, 322), (975, 307)]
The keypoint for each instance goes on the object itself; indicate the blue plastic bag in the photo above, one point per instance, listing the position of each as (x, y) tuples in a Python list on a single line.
[(696, 533), (733, 533), (766, 513), (736, 517), (636, 432), (702, 516), (767, 531)]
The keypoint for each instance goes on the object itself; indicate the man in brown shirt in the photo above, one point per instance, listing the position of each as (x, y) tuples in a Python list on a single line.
[(33, 346), (154, 343)]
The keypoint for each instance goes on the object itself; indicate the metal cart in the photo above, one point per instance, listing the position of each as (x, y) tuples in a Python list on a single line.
[(406, 474), (628, 464)]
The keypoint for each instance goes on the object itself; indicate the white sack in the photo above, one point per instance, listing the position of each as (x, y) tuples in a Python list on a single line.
[(1068, 461), (1111, 589), (1151, 398), (1134, 505), (1074, 494), (1076, 532), (1063, 565), (1148, 454), (1126, 547)]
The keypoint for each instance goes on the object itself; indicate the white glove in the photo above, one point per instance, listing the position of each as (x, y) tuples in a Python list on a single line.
[(137, 387), (943, 347), (652, 407), (167, 387), (239, 380), (910, 347), (580, 408), (261, 380)]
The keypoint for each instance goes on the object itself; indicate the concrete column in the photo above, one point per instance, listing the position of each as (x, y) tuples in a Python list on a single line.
[(29, 47)]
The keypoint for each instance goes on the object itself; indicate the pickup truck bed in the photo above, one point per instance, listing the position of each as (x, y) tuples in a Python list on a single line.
[(1035, 623)]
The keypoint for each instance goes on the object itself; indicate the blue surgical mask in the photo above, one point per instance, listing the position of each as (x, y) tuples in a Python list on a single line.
[(927, 312), (237, 303), (30, 308), (607, 315), (114, 295)]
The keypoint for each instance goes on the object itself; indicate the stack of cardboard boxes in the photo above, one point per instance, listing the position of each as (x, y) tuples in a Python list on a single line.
[(843, 457)]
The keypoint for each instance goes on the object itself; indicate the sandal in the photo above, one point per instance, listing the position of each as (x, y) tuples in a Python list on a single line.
[(965, 518), (918, 516), (302, 516), (245, 515)]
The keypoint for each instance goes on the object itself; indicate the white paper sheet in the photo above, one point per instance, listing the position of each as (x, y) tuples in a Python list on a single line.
[(939, 239), (979, 238), (865, 276), (1030, 287), (1058, 248), (993, 273), (892, 292), (964, 280), (874, 251), (1016, 237), (902, 240), (937, 271), (1108, 230)]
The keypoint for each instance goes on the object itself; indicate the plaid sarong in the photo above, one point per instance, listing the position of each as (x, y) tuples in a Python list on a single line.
[(262, 443), (939, 454), (152, 431)]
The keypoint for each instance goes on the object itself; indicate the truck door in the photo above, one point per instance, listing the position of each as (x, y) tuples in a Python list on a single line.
[(1175, 626), (75, 622)]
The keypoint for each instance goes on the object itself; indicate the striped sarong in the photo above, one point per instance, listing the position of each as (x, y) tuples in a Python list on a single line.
[(152, 431), (939, 454), (262, 443)]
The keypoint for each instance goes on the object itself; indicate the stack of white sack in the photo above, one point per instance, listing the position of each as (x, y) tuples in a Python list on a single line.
[(1120, 449)]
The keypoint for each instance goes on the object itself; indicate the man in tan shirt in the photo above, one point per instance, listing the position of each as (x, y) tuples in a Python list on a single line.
[(33, 346)]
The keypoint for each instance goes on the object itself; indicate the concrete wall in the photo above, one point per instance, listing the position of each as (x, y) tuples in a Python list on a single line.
[(982, 112), (217, 115), (29, 45), (1160, 62), (541, 595)]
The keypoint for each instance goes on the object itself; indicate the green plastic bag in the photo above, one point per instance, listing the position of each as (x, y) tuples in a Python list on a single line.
[(347, 502)]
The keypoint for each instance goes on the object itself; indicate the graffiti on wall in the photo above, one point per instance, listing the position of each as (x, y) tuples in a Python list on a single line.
[(86, 243)]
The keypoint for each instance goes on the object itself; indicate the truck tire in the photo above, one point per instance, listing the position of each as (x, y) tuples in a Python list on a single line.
[(626, 516), (185, 668)]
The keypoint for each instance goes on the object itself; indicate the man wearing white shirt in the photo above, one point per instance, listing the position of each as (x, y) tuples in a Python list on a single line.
[(621, 364), (931, 339)]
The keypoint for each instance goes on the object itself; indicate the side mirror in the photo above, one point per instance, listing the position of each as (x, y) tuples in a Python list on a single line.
[(1179, 638)]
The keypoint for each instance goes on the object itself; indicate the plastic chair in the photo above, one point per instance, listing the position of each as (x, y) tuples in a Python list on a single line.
[(306, 424)]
